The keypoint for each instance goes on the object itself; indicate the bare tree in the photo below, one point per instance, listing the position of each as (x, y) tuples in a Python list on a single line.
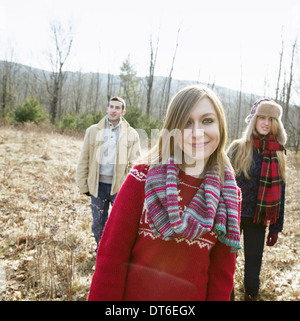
[(63, 40), (97, 91), (109, 90), (279, 71), (9, 83), (239, 106), (168, 81), (93, 93), (5, 96), (289, 87), (77, 91), (283, 91), (149, 79)]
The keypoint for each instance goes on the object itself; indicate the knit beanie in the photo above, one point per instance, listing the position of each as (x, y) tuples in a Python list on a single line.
[(266, 107)]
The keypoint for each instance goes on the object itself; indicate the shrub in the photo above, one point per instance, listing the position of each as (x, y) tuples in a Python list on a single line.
[(30, 110), (134, 116), (138, 120), (7, 116), (71, 121)]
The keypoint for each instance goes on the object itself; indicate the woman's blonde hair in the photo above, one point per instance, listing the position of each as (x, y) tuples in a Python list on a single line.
[(178, 113), (240, 152)]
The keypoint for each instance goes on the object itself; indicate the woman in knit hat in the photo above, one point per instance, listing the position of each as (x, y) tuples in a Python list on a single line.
[(174, 228), (258, 159)]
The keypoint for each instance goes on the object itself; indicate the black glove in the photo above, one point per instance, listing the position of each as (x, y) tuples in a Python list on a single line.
[(87, 194)]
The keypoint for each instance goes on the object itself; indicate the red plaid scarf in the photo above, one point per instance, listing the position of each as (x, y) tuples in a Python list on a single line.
[(270, 183)]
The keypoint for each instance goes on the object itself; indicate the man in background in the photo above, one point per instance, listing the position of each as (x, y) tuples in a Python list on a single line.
[(109, 149)]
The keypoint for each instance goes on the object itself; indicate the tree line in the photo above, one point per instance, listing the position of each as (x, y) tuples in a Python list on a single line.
[(75, 99)]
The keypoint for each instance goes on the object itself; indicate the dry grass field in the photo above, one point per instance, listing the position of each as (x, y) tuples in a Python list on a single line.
[(46, 243)]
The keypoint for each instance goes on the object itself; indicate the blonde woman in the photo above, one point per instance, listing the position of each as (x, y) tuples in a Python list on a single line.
[(174, 227), (259, 162)]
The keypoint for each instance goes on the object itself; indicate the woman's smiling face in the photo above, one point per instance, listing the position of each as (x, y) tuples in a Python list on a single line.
[(201, 135)]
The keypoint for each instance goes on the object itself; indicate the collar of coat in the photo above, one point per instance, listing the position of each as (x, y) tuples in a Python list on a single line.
[(102, 123)]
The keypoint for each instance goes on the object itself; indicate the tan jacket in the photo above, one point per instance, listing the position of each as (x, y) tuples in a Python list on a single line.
[(128, 150)]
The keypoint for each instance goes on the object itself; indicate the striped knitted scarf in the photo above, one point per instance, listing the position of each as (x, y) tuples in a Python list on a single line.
[(270, 183), (215, 207)]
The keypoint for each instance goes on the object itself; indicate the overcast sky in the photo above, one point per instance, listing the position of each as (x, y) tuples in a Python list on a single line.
[(217, 38)]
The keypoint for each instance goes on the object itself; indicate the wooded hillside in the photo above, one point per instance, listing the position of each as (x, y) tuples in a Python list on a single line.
[(82, 98)]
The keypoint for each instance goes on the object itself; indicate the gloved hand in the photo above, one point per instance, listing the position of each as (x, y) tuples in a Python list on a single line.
[(272, 238), (87, 194)]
